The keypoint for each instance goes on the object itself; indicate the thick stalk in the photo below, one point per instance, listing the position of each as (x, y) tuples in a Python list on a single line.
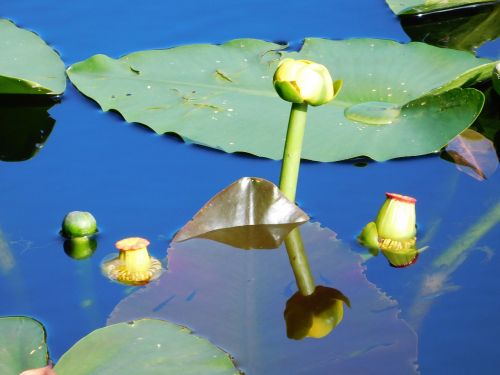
[(293, 148), (299, 262)]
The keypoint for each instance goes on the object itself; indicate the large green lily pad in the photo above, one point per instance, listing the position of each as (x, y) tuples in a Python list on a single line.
[(222, 96), (147, 347), (27, 64), (22, 345), (420, 6)]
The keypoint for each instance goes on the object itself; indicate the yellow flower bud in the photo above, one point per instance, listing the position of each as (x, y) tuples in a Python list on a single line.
[(303, 81), (396, 219)]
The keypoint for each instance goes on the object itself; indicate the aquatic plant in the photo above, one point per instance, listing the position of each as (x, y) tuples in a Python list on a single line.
[(402, 103), (28, 65), (303, 83), (78, 224), (146, 347), (251, 213), (133, 265), (418, 6), (393, 231)]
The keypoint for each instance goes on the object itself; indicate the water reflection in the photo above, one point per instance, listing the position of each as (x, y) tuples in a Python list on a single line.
[(80, 247), (242, 296), (315, 315), (465, 28), (25, 125), (476, 150)]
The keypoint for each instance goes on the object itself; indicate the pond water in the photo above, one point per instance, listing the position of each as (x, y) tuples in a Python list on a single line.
[(137, 183)]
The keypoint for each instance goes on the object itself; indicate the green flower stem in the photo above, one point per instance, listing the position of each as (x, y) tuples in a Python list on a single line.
[(293, 148), (298, 261)]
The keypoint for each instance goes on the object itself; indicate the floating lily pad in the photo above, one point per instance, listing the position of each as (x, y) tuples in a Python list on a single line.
[(22, 345), (237, 299), (27, 64), (473, 154), (463, 28), (222, 96), (146, 347), (421, 6), (251, 213)]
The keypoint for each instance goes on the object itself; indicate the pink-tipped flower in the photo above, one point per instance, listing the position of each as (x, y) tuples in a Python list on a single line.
[(394, 230)]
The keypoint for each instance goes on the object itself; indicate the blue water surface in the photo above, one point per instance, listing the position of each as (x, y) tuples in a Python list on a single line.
[(137, 183)]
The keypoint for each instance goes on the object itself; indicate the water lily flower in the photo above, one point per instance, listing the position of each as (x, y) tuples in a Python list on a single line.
[(78, 224), (134, 265), (315, 315), (301, 82), (394, 229), (304, 81)]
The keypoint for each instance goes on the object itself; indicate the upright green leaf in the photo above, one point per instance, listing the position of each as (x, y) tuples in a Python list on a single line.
[(27, 64), (222, 96), (22, 345), (145, 347)]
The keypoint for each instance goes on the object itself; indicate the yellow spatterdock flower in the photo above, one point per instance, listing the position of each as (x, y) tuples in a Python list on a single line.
[(304, 82), (394, 229), (396, 220), (134, 265)]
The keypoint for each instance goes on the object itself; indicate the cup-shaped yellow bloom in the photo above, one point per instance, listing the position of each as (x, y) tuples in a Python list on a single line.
[(396, 219), (315, 315), (134, 265), (303, 81)]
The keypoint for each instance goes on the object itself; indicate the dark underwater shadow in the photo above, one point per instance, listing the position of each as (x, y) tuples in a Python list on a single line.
[(25, 125)]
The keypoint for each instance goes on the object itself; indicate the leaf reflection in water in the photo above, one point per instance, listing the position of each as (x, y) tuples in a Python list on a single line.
[(25, 126), (473, 154), (237, 299)]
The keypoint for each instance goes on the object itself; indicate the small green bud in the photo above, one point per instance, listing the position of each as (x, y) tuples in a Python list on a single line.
[(396, 219), (303, 81), (496, 78), (78, 224)]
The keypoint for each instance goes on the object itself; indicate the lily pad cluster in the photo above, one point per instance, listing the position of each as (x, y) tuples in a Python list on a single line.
[(147, 346), (398, 99)]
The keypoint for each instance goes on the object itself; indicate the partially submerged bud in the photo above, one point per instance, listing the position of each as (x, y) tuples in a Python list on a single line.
[(393, 231), (78, 224), (134, 265), (315, 315), (396, 220), (303, 81)]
